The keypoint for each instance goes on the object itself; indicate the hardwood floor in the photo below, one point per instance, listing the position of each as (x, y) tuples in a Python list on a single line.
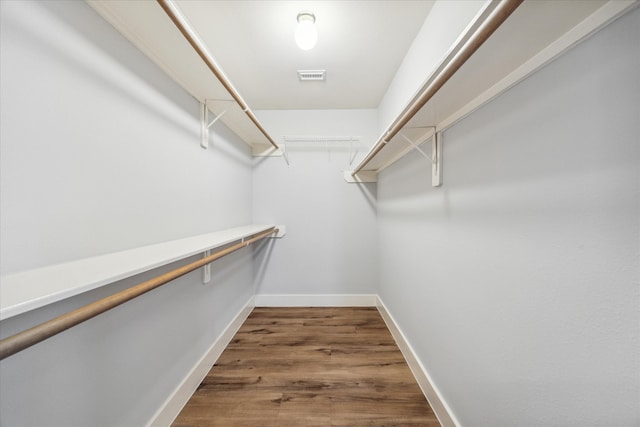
[(308, 367)]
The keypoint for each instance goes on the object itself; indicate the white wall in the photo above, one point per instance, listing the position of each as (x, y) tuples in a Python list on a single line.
[(100, 152), (444, 24), (331, 243), (517, 282)]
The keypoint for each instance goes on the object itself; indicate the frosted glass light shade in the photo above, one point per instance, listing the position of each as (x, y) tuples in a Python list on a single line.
[(306, 33)]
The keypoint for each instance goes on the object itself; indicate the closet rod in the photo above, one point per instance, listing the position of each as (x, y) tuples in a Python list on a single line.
[(41, 332), (500, 14), (188, 34)]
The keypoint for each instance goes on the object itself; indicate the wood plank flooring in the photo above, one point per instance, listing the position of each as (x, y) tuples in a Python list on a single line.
[(309, 367)]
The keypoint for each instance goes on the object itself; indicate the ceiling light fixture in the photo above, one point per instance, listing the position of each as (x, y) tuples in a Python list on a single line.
[(306, 32)]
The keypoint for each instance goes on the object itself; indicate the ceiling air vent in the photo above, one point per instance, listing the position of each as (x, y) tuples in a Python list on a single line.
[(311, 75)]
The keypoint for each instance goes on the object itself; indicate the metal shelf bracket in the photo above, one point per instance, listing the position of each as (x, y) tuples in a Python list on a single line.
[(206, 270), (205, 124), (436, 154)]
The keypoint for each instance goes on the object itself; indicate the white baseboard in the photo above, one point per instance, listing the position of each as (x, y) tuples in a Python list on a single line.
[(290, 300), (174, 404), (439, 406)]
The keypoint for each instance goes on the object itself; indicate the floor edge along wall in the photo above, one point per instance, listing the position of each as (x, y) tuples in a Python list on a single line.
[(174, 404), (438, 404), (181, 395)]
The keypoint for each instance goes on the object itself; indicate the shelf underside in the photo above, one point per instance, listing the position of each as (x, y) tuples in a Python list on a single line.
[(148, 27), (535, 34)]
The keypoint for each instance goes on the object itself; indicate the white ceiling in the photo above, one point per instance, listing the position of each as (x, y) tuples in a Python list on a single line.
[(361, 44)]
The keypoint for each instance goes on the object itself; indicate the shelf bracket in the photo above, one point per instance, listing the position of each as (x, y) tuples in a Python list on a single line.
[(205, 124), (436, 169), (435, 158), (264, 150), (206, 270), (282, 231), (361, 177)]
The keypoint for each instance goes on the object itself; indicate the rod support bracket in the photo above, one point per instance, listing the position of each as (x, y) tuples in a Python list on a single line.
[(436, 153), (360, 177), (205, 124), (206, 270)]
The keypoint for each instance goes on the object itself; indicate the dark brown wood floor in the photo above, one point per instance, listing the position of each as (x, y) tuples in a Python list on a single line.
[(310, 367)]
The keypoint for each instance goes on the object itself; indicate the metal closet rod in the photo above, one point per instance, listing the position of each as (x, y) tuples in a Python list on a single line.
[(25, 339), (431, 87), (188, 34)]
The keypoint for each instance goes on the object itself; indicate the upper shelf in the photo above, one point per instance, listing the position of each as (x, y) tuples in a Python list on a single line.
[(25, 291), (148, 26), (532, 36)]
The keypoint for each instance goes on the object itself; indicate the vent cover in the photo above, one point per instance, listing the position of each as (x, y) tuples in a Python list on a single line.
[(311, 75)]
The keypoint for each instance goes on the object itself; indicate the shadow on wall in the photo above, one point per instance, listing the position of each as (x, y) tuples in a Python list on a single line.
[(488, 150), (145, 83), (235, 150), (490, 162), (368, 191), (262, 253), (136, 79)]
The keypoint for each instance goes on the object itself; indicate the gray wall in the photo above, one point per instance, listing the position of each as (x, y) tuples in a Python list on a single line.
[(517, 282), (331, 245), (100, 152)]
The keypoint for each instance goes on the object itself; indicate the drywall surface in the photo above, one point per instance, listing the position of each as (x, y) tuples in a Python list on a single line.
[(100, 152), (330, 247), (444, 24), (517, 282)]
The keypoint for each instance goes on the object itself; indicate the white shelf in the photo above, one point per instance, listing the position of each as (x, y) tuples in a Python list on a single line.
[(25, 291), (149, 28), (535, 34)]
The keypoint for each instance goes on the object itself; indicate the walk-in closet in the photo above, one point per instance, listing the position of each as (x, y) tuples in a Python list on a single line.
[(319, 213)]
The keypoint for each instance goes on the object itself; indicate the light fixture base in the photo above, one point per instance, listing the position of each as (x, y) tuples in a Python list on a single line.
[(306, 33), (306, 16)]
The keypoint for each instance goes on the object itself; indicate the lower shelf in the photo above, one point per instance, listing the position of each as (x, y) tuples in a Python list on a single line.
[(29, 290)]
